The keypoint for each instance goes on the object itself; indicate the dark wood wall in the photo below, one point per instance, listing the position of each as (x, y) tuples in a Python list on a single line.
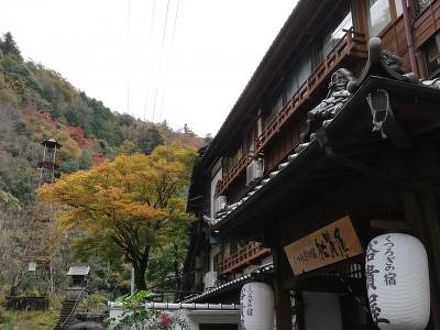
[(427, 24), (424, 27), (285, 143), (394, 39)]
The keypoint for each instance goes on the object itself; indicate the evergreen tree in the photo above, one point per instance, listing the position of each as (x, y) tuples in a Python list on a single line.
[(150, 140), (9, 47)]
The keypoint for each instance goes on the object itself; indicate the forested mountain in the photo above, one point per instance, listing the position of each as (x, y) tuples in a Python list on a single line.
[(37, 103)]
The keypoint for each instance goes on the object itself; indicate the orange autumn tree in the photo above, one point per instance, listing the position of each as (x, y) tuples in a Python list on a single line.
[(130, 205)]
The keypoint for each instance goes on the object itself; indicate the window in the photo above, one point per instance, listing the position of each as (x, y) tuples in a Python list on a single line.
[(421, 5), (216, 261), (432, 55), (274, 106), (338, 33), (379, 16), (399, 7), (230, 162), (250, 143), (334, 30), (317, 55), (298, 76), (233, 247)]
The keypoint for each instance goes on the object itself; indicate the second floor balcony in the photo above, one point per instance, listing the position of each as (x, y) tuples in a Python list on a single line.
[(352, 48), (242, 257)]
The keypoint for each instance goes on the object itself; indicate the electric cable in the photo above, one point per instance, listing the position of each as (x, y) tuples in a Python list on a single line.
[(128, 54), (161, 60), (164, 92), (151, 34)]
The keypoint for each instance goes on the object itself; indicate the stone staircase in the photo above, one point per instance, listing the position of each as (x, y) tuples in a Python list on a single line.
[(66, 313)]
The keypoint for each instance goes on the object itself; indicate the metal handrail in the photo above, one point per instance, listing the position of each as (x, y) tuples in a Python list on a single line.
[(73, 309)]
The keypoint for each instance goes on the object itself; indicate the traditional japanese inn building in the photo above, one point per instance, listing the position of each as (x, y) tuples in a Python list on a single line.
[(318, 201)]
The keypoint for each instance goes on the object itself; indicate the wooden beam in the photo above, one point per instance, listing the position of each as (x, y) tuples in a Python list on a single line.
[(431, 227), (421, 213), (390, 225), (283, 310), (330, 285)]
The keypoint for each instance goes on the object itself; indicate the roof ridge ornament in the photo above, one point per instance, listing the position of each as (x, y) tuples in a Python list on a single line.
[(382, 63)]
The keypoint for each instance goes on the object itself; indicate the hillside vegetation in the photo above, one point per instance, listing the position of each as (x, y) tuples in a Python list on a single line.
[(37, 103)]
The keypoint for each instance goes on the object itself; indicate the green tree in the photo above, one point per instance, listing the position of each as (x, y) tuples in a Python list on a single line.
[(150, 140), (9, 47)]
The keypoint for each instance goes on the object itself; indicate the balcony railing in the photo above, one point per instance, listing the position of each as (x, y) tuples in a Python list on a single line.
[(234, 172), (353, 45), (242, 257)]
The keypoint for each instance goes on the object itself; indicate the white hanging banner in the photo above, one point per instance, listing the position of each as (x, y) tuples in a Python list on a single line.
[(257, 306), (397, 278)]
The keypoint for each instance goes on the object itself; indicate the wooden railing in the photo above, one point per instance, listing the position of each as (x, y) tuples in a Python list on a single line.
[(242, 257), (234, 172), (352, 45)]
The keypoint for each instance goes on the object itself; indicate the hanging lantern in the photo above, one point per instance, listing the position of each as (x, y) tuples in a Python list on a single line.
[(257, 306), (397, 278)]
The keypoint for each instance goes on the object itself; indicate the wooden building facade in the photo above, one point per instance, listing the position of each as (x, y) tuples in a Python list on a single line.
[(336, 132)]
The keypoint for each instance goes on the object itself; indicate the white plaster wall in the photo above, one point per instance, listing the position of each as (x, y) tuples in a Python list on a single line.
[(322, 311), (198, 317), (193, 317), (216, 175)]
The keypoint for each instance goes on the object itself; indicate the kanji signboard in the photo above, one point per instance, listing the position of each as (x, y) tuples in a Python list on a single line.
[(328, 245)]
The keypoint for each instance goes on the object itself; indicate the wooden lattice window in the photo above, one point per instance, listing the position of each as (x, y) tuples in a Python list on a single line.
[(432, 56), (422, 5)]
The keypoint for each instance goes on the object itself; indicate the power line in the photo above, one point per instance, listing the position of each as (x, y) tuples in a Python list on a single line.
[(165, 25), (164, 92), (175, 20), (151, 34), (161, 59), (128, 53)]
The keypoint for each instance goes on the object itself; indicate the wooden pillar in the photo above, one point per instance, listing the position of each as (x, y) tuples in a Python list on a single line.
[(283, 309), (432, 232), (299, 311), (421, 211)]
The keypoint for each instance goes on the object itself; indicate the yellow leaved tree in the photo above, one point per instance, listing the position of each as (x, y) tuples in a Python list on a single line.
[(130, 205)]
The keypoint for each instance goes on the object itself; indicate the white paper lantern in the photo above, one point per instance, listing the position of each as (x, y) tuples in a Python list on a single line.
[(397, 278), (257, 306)]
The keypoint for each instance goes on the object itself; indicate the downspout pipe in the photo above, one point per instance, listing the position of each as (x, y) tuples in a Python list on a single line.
[(409, 37)]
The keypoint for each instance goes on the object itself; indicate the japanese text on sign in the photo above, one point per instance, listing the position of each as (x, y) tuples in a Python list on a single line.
[(330, 244)]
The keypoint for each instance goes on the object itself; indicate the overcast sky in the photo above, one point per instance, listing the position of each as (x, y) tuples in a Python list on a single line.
[(119, 51)]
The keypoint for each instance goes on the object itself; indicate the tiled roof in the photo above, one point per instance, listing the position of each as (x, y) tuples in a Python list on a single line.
[(231, 284), (78, 271)]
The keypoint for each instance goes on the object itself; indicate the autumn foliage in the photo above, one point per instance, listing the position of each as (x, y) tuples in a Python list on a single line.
[(132, 204)]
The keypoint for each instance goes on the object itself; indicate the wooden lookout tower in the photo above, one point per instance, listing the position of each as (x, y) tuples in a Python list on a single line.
[(36, 259), (48, 163)]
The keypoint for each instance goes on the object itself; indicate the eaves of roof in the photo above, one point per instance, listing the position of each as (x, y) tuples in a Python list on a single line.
[(263, 270), (353, 118), (286, 43)]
